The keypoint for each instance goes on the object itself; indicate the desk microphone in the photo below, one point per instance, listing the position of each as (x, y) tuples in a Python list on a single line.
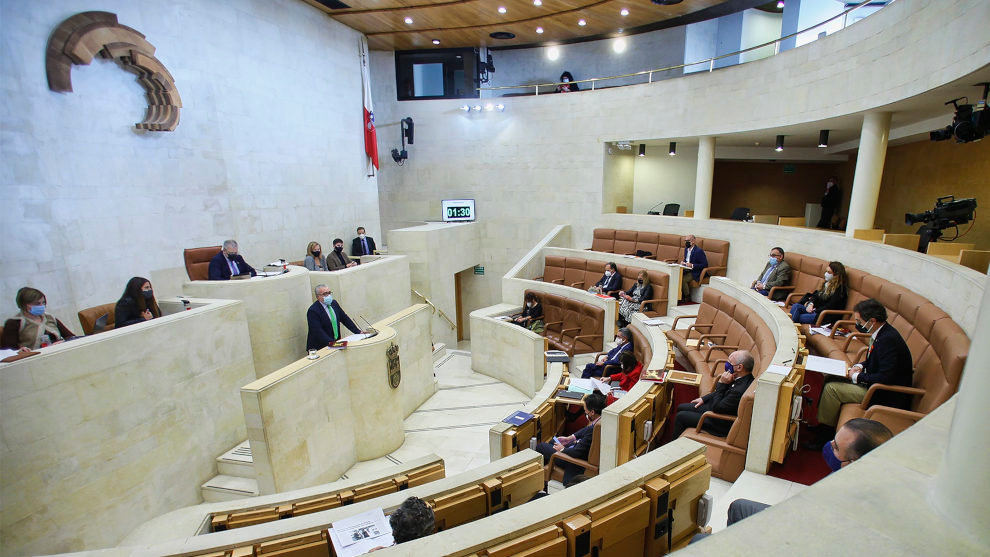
[(370, 330)]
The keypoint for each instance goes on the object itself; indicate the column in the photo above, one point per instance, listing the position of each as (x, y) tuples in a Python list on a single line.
[(703, 180), (869, 171), (961, 489)]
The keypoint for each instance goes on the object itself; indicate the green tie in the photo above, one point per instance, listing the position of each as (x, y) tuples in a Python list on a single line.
[(333, 321)]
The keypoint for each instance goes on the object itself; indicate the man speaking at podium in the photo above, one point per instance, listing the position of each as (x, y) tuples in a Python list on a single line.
[(325, 317)]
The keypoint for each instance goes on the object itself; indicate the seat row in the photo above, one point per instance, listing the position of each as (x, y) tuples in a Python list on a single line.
[(572, 326), (583, 273), (938, 345), (662, 247)]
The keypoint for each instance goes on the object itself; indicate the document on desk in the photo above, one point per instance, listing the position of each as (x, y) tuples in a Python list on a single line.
[(361, 533), (654, 321), (583, 386), (358, 336), (602, 387), (779, 369), (827, 365)]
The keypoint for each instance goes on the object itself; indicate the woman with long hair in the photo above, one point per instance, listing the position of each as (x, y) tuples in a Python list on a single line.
[(137, 305), (315, 260), (832, 295)]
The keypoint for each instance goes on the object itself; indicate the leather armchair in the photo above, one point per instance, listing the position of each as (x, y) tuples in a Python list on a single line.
[(198, 261), (591, 465)]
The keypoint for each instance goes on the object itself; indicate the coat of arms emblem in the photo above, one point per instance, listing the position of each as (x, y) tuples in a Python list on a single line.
[(394, 371)]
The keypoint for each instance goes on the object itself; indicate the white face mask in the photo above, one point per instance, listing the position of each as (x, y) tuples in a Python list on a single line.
[(361, 236), (608, 273), (529, 304), (828, 276)]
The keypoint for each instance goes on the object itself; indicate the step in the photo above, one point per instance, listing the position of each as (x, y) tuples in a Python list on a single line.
[(237, 461), (439, 351), (227, 488)]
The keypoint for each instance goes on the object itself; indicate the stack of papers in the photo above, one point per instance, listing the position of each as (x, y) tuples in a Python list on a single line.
[(588, 386), (827, 365), (361, 533), (779, 369), (654, 321)]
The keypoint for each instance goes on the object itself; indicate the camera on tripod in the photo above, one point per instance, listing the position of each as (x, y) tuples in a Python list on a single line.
[(948, 212)]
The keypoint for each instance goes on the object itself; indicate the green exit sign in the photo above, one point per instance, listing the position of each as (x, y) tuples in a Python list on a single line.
[(479, 269), (788, 169)]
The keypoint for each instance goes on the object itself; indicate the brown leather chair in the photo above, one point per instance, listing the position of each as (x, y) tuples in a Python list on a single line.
[(89, 316), (657, 305), (590, 465), (727, 455), (717, 253), (647, 242), (670, 247), (553, 269), (625, 242), (641, 349), (198, 261), (807, 275), (574, 272), (603, 240)]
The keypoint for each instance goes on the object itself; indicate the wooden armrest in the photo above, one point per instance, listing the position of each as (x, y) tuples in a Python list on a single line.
[(678, 318), (653, 257), (540, 278), (560, 456), (845, 345), (610, 369), (565, 331), (633, 253), (575, 284), (875, 412), (715, 365), (710, 272), (788, 301), (714, 416), (652, 304), (557, 281), (892, 388), (671, 260), (774, 289), (586, 336), (552, 323), (697, 327), (721, 347), (842, 323), (823, 314), (710, 335), (613, 292)]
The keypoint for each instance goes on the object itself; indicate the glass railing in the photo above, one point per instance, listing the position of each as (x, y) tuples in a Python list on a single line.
[(648, 75)]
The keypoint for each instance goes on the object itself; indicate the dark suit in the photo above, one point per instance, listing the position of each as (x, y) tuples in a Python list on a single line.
[(608, 284), (780, 276), (580, 449), (611, 359), (337, 260), (698, 259), (357, 249), (320, 327), (888, 362), (126, 312), (220, 268), (723, 400)]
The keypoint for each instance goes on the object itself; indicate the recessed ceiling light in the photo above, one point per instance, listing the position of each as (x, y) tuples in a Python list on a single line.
[(623, 12), (619, 45), (780, 4), (408, 21), (539, 30), (501, 9), (436, 41), (582, 22), (489, 107), (537, 2), (553, 53)]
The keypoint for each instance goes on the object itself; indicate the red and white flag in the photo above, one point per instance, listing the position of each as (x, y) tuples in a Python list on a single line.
[(370, 138)]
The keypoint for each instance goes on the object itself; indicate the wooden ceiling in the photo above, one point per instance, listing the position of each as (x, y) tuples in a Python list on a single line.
[(468, 23)]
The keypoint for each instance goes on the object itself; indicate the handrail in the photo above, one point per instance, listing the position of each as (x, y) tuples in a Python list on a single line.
[(710, 61), (435, 309)]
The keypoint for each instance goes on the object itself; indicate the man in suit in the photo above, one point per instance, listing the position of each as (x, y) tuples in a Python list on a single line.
[(325, 317), (228, 263), (337, 259), (623, 343), (724, 399), (776, 273), (363, 244), (579, 444), (696, 260), (888, 361), (611, 281)]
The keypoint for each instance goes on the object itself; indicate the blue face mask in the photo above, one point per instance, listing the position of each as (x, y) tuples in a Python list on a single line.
[(729, 368), (831, 460), (37, 310), (773, 261), (328, 300)]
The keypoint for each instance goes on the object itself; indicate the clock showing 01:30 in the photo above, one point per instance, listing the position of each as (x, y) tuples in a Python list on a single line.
[(458, 210)]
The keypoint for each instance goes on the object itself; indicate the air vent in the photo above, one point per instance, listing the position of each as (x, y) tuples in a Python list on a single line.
[(334, 4), (502, 35)]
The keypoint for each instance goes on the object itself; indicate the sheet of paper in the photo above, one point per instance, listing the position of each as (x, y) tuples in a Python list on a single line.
[(359, 336), (654, 321), (827, 365), (779, 369), (583, 386), (602, 387), (691, 342), (361, 533)]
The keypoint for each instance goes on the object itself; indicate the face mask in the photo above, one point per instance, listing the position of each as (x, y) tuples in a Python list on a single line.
[(328, 299), (529, 304), (862, 328), (361, 236), (148, 294), (566, 80), (37, 310), (833, 461), (687, 243), (338, 249), (316, 254), (828, 276), (729, 368), (640, 281), (773, 261), (608, 273), (620, 340), (231, 255)]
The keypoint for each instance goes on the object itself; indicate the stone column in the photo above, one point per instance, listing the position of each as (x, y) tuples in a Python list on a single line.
[(869, 171), (961, 489), (703, 181)]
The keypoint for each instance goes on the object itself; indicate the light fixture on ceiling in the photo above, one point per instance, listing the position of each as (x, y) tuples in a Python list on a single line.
[(673, 148), (436, 41), (553, 53), (823, 138), (539, 30), (489, 107), (582, 22), (408, 21), (476, 108), (537, 2), (500, 107), (780, 144), (466, 108), (623, 12), (501, 9), (619, 45), (780, 4), (642, 149)]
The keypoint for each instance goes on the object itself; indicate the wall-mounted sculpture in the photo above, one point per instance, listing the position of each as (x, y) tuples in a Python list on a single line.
[(78, 39)]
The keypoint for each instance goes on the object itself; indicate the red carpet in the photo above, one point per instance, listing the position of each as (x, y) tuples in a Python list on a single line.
[(802, 466)]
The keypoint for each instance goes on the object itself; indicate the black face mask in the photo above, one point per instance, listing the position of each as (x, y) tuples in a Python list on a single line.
[(687, 243), (639, 281), (862, 328), (338, 249), (148, 294), (316, 254)]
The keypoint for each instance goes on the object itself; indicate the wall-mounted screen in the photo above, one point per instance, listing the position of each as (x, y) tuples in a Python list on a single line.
[(458, 210)]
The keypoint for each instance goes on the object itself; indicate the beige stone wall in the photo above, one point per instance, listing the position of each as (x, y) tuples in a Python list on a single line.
[(374, 290), (506, 351), (103, 433)]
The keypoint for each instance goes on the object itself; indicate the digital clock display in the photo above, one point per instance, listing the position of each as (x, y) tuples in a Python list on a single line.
[(458, 210)]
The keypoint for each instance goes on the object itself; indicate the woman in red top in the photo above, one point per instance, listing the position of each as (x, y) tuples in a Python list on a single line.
[(629, 375)]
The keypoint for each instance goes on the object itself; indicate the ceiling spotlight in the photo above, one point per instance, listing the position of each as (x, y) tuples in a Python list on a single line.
[(619, 45), (489, 107), (501, 9), (500, 107), (780, 144), (553, 53), (465, 108), (476, 108), (582, 22), (436, 41), (642, 149), (537, 2), (539, 30), (823, 138), (780, 4), (673, 148), (623, 12), (408, 21)]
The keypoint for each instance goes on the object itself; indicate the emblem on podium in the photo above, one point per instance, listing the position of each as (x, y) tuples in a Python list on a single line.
[(394, 371)]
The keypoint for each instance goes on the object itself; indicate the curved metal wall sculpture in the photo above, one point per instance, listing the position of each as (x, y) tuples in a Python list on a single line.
[(78, 39)]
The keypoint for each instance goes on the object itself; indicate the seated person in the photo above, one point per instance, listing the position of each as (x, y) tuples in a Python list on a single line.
[(631, 299), (776, 273), (579, 444), (696, 260), (888, 362), (363, 244), (724, 399), (137, 305), (338, 259), (623, 342), (229, 263), (567, 84), (324, 318), (412, 520), (610, 281), (32, 327), (629, 374), (532, 315), (315, 260), (832, 295)]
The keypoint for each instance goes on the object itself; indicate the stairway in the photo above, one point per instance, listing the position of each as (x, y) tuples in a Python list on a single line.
[(236, 478)]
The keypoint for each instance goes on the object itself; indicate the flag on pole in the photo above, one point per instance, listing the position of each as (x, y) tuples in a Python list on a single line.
[(370, 137)]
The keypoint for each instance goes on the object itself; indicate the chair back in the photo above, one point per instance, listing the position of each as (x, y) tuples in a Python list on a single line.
[(948, 248), (671, 209), (978, 260), (869, 234), (739, 213), (906, 241), (553, 269), (594, 453), (625, 242), (198, 261), (765, 219), (90, 317), (603, 240)]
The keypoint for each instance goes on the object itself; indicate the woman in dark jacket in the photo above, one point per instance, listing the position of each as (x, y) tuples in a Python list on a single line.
[(137, 305), (832, 295), (532, 315)]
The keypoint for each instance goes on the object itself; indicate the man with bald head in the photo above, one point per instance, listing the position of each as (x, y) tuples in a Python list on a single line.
[(733, 382), (695, 260)]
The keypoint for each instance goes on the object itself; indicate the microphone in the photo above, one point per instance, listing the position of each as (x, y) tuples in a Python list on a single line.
[(371, 331), (653, 209)]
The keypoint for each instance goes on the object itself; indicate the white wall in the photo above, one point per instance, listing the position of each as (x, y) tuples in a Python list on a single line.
[(661, 178), (699, 43), (268, 150), (617, 184), (759, 27)]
